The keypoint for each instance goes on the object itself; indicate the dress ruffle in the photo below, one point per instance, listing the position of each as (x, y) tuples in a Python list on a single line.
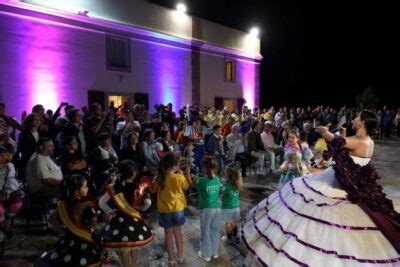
[(309, 222)]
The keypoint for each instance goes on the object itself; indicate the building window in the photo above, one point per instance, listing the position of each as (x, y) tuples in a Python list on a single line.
[(118, 53), (230, 70)]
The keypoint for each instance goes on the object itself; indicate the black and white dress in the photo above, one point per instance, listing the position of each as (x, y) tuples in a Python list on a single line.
[(126, 230), (77, 247)]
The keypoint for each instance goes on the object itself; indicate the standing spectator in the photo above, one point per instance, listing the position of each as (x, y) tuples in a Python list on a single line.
[(279, 118), (149, 150), (387, 123), (12, 124), (62, 120), (214, 147), (127, 126), (47, 126), (29, 137), (226, 129), (98, 123), (77, 129), (397, 122), (196, 134), (43, 176)]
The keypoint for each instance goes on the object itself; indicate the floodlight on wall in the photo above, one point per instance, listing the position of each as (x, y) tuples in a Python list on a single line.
[(254, 32), (181, 7), (83, 13)]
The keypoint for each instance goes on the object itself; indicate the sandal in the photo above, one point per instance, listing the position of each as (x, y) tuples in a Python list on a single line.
[(171, 263), (180, 261)]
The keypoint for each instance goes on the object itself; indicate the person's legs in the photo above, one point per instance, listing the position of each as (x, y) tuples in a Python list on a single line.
[(14, 206), (169, 243), (205, 240), (228, 230), (133, 255), (125, 258), (220, 162), (2, 217), (178, 241), (272, 159), (260, 158), (214, 231), (241, 157)]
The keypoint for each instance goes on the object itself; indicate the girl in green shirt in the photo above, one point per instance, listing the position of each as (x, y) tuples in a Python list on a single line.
[(208, 188), (230, 212)]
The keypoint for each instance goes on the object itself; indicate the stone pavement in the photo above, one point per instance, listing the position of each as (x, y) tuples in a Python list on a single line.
[(23, 248)]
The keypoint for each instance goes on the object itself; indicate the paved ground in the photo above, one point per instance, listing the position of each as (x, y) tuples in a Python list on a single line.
[(24, 247)]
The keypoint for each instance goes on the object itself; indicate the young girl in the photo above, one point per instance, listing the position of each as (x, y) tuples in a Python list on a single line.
[(170, 186), (126, 231), (77, 215), (293, 166), (209, 204), (230, 210), (10, 199)]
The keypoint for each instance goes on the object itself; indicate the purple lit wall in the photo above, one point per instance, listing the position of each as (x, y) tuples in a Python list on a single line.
[(42, 63), (168, 73), (45, 62), (248, 73), (213, 84)]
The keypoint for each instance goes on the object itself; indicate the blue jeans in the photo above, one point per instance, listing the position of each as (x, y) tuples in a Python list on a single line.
[(209, 232), (170, 219)]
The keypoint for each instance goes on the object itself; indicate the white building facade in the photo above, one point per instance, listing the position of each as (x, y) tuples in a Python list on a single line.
[(83, 52)]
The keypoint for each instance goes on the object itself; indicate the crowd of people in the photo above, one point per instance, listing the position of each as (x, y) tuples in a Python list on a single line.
[(106, 167)]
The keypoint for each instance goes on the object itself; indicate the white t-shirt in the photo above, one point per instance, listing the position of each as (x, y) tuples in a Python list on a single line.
[(39, 168), (36, 136), (128, 129), (268, 140)]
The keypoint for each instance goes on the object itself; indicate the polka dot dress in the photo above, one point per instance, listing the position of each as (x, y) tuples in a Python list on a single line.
[(125, 232), (70, 251)]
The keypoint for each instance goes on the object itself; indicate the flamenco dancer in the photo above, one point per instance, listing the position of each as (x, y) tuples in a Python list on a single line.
[(126, 231), (339, 217), (77, 215)]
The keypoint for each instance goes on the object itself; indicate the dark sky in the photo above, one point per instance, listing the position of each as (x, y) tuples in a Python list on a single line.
[(350, 46)]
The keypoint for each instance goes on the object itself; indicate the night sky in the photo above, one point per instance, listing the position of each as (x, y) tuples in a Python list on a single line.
[(349, 47)]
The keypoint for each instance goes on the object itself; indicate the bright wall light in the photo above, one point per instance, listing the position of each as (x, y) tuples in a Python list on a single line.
[(181, 8), (254, 31)]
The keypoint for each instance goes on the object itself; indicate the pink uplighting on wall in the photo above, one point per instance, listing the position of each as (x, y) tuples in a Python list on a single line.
[(247, 74), (170, 74)]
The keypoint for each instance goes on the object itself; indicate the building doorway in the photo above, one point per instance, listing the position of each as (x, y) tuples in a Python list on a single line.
[(119, 100), (230, 104)]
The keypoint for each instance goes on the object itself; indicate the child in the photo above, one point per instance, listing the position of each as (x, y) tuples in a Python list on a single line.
[(10, 199), (77, 215), (293, 166), (170, 186), (230, 211), (126, 231), (209, 204)]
